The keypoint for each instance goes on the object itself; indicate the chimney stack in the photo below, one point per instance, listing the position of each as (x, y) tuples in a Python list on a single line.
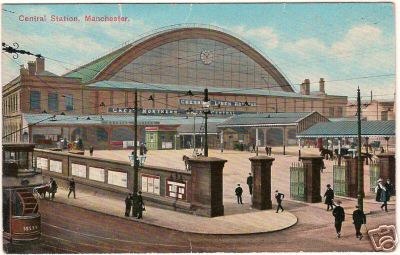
[(305, 87), (39, 65), (31, 67), (322, 85), (23, 70)]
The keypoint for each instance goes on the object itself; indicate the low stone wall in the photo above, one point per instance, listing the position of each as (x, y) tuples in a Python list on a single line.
[(162, 187)]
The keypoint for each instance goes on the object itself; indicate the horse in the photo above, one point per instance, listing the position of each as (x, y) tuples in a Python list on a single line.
[(325, 153), (41, 191)]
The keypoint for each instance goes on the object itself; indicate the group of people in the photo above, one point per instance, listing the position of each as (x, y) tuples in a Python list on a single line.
[(134, 203), (239, 191), (383, 192)]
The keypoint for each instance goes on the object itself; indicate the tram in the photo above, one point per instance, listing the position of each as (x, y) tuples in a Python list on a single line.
[(21, 217)]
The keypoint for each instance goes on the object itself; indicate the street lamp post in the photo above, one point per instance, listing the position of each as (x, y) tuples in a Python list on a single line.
[(206, 111), (135, 158), (360, 176)]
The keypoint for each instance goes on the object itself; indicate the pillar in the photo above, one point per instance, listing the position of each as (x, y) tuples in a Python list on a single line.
[(222, 140), (387, 162), (352, 175), (284, 140), (312, 178), (207, 186), (261, 170)]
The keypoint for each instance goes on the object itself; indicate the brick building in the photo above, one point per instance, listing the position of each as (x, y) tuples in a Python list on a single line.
[(170, 70)]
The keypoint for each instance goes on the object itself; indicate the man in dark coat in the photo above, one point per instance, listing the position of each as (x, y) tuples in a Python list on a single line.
[(250, 183), (239, 192), (279, 197), (140, 205), (382, 194), (128, 204), (91, 150), (359, 219), (339, 215), (135, 205), (390, 189), (329, 195), (53, 188), (71, 187)]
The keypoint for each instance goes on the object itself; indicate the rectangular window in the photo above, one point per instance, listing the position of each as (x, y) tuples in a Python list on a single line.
[(384, 115), (56, 166), (176, 190), (96, 174), (151, 184), (118, 178), (35, 100), (69, 103), (42, 163), (78, 170), (53, 102)]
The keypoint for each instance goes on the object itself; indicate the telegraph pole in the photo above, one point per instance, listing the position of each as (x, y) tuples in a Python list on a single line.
[(135, 164), (360, 176), (206, 106)]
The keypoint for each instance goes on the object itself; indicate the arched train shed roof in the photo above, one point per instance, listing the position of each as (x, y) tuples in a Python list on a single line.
[(105, 67)]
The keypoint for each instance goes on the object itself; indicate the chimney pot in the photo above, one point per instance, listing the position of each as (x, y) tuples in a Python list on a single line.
[(31, 67), (23, 70), (322, 85), (39, 65)]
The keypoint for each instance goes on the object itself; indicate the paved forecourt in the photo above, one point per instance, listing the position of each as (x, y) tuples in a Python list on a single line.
[(248, 221)]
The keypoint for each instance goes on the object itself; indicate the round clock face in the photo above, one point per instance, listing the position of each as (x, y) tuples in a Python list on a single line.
[(206, 57)]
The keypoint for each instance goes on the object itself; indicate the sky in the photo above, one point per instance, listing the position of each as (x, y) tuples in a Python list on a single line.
[(348, 44)]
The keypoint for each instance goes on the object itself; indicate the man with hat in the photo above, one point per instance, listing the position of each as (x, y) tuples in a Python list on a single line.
[(339, 215), (329, 195), (238, 192), (381, 194), (359, 219)]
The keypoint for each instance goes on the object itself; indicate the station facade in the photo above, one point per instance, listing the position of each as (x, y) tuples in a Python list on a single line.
[(170, 70)]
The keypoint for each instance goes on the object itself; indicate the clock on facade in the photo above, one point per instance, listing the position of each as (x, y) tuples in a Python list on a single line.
[(206, 57)]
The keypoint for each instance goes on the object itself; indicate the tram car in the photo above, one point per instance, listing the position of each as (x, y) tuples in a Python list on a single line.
[(21, 217)]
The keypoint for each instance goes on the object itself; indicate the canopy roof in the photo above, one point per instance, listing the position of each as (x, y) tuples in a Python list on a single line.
[(349, 129), (265, 119)]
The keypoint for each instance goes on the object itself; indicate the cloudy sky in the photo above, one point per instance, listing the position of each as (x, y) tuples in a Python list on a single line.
[(349, 44)]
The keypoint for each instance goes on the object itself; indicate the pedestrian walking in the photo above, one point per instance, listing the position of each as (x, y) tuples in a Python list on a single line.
[(91, 150), (141, 207), (71, 187), (135, 205), (381, 194), (53, 188), (253, 148), (186, 161), (279, 197), (339, 215), (239, 192), (128, 204), (390, 188), (250, 183), (329, 196), (359, 219)]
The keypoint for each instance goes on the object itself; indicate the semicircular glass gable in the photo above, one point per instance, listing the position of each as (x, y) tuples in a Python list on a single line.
[(198, 62)]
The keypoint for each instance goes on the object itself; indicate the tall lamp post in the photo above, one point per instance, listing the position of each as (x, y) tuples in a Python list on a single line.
[(206, 111), (360, 193), (135, 158)]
